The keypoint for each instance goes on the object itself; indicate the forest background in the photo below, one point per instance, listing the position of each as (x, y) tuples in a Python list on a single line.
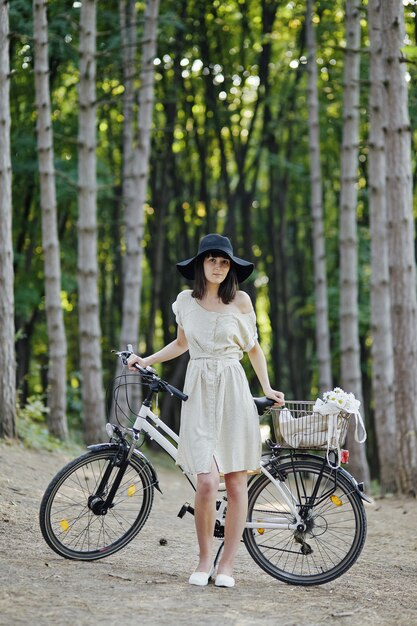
[(251, 118)]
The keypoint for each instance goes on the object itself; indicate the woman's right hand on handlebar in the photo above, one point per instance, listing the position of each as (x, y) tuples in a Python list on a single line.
[(134, 359)]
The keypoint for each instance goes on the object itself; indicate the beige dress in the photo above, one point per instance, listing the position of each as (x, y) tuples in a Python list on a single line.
[(219, 420)]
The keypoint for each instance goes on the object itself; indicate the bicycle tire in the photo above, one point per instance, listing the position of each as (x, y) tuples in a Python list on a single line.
[(70, 527), (336, 524)]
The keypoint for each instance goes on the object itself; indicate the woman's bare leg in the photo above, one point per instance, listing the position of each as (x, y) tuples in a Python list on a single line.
[(205, 516), (237, 507)]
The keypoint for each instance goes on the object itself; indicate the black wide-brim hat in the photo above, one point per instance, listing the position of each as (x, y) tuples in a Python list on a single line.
[(216, 243)]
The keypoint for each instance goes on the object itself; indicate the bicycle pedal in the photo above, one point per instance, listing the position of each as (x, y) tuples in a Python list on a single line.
[(186, 508)]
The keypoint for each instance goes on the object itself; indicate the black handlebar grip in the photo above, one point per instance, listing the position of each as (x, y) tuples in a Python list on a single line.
[(176, 392)]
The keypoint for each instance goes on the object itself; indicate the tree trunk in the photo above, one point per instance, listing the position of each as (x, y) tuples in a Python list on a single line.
[(128, 15), (351, 378), (319, 252), (382, 344), (135, 172), (136, 180), (162, 195), (57, 422), (89, 320), (401, 244), (7, 330), (130, 310)]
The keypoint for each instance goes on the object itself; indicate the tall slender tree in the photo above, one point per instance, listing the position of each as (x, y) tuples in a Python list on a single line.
[(57, 421), (401, 243), (136, 173), (88, 309), (320, 274), (382, 343), (351, 375), (130, 309), (7, 329)]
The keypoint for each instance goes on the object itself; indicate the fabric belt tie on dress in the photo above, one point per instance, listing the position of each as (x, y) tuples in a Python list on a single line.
[(214, 358)]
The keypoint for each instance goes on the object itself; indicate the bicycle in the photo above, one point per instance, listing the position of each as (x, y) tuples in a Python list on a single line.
[(306, 522)]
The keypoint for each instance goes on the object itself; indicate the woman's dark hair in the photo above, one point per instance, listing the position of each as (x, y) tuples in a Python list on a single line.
[(227, 289)]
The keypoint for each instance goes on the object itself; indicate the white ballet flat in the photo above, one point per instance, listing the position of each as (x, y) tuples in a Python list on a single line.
[(201, 578), (224, 581)]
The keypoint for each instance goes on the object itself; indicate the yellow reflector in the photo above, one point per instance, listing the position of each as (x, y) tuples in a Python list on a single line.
[(131, 490), (261, 531), (64, 525), (336, 501)]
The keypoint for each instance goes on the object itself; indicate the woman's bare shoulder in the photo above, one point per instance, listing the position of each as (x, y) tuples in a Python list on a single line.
[(243, 302), (184, 295)]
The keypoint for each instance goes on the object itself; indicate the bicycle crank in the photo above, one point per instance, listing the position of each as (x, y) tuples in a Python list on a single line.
[(186, 508)]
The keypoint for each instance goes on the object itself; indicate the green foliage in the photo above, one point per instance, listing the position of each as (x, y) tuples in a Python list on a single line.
[(229, 153), (32, 428)]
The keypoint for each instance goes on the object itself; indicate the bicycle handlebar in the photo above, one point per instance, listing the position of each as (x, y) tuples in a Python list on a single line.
[(176, 392), (162, 384), (150, 374)]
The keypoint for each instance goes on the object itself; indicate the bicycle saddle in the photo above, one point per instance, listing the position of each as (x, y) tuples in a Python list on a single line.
[(262, 404)]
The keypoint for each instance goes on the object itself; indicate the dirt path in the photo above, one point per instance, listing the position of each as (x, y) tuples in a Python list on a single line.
[(146, 583)]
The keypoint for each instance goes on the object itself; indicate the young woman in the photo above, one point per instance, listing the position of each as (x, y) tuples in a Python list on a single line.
[(219, 430)]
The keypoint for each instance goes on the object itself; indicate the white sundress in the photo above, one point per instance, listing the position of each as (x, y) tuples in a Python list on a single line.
[(219, 420)]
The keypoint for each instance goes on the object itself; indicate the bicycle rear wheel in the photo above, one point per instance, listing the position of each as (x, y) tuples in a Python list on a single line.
[(68, 523), (334, 516)]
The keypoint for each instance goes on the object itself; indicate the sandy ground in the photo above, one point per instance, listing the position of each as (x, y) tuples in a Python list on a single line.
[(146, 583)]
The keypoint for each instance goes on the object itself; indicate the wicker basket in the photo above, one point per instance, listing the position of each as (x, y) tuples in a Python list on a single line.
[(297, 426)]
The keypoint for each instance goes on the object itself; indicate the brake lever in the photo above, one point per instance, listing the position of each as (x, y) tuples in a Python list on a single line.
[(123, 355), (148, 367)]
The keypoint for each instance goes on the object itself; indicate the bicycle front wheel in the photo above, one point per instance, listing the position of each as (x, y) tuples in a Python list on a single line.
[(334, 518), (68, 522)]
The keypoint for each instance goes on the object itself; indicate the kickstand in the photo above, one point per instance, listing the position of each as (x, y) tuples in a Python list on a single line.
[(218, 554)]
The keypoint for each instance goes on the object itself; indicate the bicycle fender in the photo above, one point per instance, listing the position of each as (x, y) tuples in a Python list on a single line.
[(358, 486), (96, 447), (113, 446), (266, 458), (150, 468), (269, 458)]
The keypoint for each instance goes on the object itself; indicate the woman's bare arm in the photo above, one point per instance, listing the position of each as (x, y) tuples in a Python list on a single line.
[(170, 351), (258, 361)]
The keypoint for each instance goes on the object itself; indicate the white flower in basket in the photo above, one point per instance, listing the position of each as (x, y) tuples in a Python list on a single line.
[(336, 401), (325, 427)]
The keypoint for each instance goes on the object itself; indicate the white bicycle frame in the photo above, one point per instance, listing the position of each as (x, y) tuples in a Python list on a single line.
[(270, 521)]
